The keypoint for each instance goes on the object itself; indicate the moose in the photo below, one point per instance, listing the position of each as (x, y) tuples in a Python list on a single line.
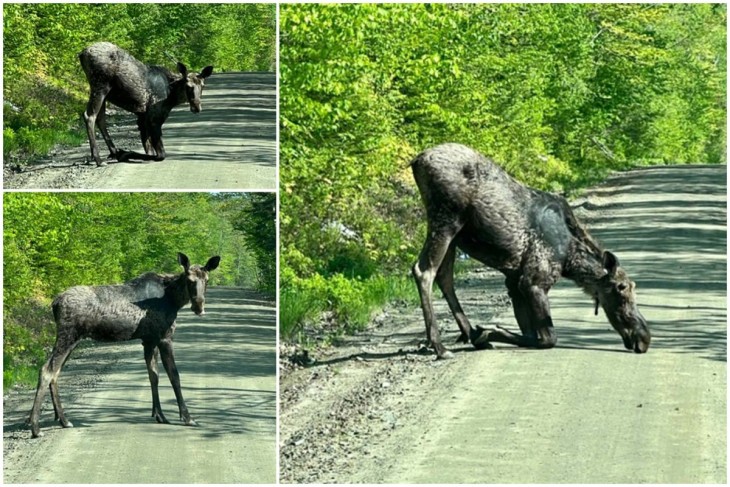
[(145, 307), (530, 236), (150, 92)]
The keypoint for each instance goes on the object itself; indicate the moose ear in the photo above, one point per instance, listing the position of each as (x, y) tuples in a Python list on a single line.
[(183, 69), (610, 262), (212, 263), (183, 260), (207, 71)]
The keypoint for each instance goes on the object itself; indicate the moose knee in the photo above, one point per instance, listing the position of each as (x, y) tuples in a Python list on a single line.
[(546, 337)]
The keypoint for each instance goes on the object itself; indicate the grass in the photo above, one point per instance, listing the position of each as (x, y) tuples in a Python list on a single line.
[(26, 143), (295, 308), (24, 375), (352, 301)]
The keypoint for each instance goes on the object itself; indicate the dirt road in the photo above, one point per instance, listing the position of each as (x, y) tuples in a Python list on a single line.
[(372, 410), (230, 144), (228, 373)]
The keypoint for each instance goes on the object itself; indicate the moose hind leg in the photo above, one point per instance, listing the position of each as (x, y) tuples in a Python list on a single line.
[(150, 358), (101, 121), (168, 361), (48, 377), (424, 272), (93, 107), (44, 379), (445, 281), (57, 407)]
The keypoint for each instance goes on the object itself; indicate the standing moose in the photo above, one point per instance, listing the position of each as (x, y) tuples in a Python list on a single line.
[(146, 308), (532, 237), (149, 91)]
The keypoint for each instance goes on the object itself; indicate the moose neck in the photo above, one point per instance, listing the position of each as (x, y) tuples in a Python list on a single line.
[(585, 265), (177, 291), (177, 94)]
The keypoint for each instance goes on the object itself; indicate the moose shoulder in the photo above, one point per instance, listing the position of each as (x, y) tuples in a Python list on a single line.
[(150, 92), (531, 236)]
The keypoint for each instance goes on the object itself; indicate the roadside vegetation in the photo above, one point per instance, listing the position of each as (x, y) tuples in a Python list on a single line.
[(558, 94), (45, 90), (53, 241)]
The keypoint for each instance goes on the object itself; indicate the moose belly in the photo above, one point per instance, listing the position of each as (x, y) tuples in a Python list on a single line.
[(489, 251), (114, 323)]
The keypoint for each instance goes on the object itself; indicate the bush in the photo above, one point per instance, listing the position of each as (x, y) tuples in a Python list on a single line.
[(28, 336), (351, 301)]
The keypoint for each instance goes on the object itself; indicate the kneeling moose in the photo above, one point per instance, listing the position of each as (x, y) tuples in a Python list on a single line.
[(531, 236), (146, 308), (150, 92)]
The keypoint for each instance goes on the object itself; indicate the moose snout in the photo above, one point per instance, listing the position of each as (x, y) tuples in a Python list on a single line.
[(195, 108), (198, 307), (642, 337), (637, 338)]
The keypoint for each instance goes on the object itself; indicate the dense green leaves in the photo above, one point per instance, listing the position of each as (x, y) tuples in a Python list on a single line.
[(56, 240), (255, 217), (44, 88), (559, 94)]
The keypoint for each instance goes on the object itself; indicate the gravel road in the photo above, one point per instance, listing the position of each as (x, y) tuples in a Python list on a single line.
[(228, 373), (230, 144), (374, 410)]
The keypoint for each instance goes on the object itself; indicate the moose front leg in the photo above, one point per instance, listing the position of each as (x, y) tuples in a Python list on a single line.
[(532, 311), (144, 133), (157, 145), (541, 329), (168, 361), (150, 358)]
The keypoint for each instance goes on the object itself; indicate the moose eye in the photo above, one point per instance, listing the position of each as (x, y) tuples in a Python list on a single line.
[(621, 287)]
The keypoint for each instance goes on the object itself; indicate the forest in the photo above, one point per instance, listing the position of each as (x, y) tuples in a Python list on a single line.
[(53, 241), (45, 90), (558, 94)]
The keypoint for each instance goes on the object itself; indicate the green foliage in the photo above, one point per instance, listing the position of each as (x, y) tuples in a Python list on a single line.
[(53, 241), (351, 300), (45, 89), (559, 94), (28, 335), (254, 215)]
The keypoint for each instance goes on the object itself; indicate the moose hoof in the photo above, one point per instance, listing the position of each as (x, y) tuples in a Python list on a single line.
[(481, 341), (160, 418), (446, 355), (67, 424), (190, 422), (36, 434)]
